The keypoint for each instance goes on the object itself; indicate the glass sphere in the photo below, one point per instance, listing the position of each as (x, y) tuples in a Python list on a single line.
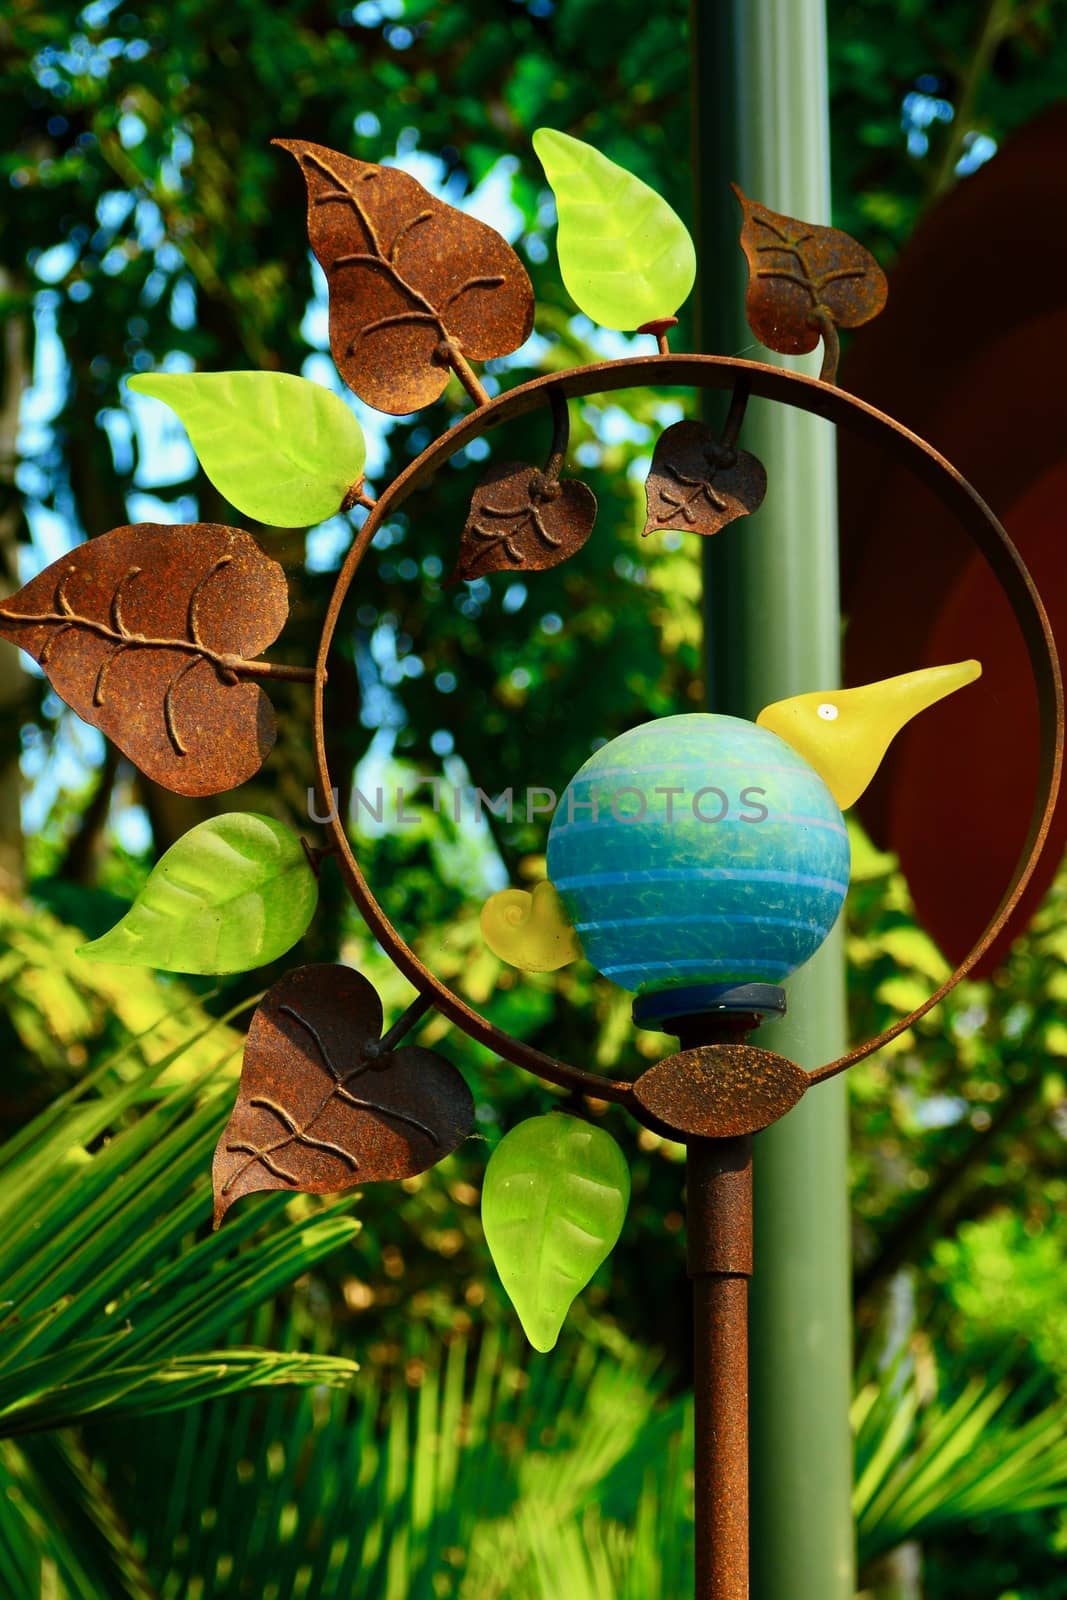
[(698, 849)]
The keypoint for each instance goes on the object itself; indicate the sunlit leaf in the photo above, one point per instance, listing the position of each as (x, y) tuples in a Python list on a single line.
[(625, 255), (281, 449), (233, 893), (913, 948), (555, 1196)]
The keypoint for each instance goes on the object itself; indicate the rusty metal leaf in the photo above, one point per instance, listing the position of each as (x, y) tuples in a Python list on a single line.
[(802, 276), (720, 1091), (522, 520), (321, 1107), (415, 285), (149, 633), (697, 485)]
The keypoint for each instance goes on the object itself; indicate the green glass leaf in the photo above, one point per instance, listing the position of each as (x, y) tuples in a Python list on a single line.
[(281, 449), (233, 893), (555, 1195), (625, 255)]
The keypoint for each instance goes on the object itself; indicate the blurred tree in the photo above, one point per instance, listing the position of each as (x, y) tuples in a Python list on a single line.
[(147, 221)]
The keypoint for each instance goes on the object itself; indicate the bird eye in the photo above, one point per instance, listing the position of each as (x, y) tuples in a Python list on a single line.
[(828, 713)]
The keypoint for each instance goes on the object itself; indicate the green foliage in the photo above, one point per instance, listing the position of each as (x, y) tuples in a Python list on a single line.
[(110, 1300), (59, 1012), (281, 449), (60, 1535), (472, 1473), (626, 257), (960, 1118), (463, 1474), (236, 892), (1003, 1277), (926, 1464), (553, 1203), (992, 69)]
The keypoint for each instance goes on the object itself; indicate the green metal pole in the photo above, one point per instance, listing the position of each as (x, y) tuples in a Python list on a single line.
[(760, 117)]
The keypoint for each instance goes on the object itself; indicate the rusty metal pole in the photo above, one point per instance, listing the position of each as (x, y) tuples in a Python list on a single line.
[(719, 1260), (719, 1246)]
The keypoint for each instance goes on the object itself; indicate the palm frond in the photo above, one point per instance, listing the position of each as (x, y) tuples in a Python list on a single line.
[(62, 1010), (112, 1284), (59, 1533), (471, 1474), (485, 1475), (927, 1467)]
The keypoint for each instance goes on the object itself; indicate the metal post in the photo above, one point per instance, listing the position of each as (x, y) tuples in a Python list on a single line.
[(760, 117), (719, 1240)]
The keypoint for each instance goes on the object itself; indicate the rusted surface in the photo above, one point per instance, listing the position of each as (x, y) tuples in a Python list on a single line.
[(523, 521), (719, 1206), (805, 282), (416, 287), (697, 484), (807, 394), (149, 633), (660, 330), (719, 1258), (720, 1091), (356, 495), (719, 1244), (325, 1104), (720, 1437)]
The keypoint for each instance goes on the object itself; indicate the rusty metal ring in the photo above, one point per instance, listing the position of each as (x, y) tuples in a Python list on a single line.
[(806, 394)]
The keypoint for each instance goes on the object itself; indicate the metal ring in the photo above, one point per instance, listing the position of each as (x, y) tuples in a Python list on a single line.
[(805, 394)]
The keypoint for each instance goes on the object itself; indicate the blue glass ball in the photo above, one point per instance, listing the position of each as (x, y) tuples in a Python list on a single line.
[(737, 876)]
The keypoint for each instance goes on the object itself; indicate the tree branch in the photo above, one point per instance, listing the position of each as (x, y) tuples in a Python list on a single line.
[(996, 25), (909, 1231)]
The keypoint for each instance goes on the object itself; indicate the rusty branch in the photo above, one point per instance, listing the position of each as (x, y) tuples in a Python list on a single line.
[(272, 669), (453, 356), (561, 435), (357, 495), (831, 345), (225, 663), (401, 1027)]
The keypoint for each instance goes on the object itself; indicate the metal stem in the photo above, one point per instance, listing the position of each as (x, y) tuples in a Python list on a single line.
[(274, 669), (357, 496), (561, 434), (831, 346), (735, 416), (659, 331), (405, 1022), (467, 375)]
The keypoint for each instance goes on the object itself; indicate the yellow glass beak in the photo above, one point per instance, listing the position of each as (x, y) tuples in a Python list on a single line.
[(844, 733)]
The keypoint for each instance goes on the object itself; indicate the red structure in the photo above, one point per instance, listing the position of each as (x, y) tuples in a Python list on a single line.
[(969, 353)]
